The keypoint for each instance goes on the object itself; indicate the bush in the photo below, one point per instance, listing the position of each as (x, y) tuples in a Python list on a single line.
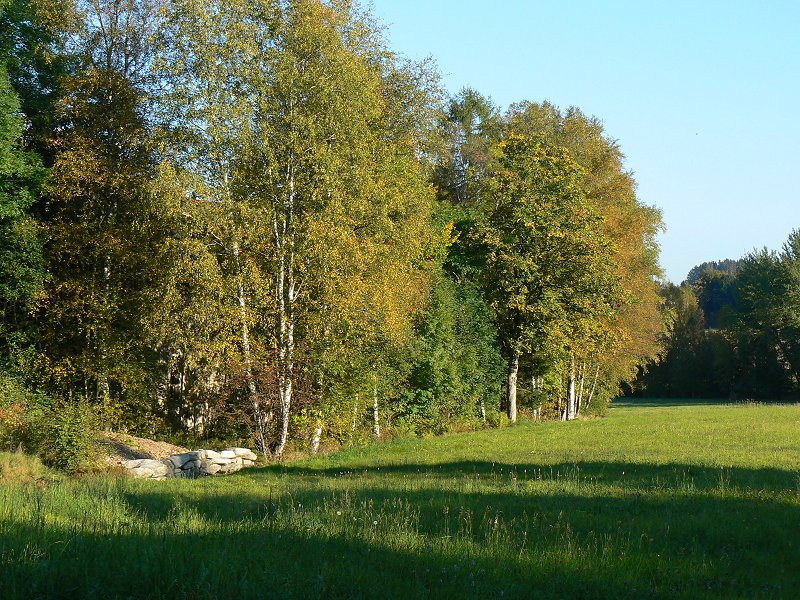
[(63, 434), (496, 418)]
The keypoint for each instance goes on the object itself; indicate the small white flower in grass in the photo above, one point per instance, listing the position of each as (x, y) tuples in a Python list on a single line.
[(338, 513), (374, 522)]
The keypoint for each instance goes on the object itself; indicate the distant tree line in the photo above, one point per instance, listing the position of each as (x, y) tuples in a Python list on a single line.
[(252, 219), (734, 330)]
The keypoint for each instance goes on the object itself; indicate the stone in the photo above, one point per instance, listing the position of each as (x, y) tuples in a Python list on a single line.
[(238, 451), (178, 460), (192, 464), (156, 465), (151, 469), (233, 466)]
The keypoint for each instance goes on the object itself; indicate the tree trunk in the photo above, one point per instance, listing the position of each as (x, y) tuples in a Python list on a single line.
[(582, 377), (594, 381), (103, 383), (258, 416), (316, 438), (513, 370), (376, 425), (286, 292), (483, 411), (355, 417), (571, 388)]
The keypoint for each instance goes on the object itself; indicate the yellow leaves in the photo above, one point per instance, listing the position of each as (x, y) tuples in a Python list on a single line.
[(435, 249)]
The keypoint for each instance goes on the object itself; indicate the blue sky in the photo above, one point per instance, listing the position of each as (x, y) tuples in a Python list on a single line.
[(703, 97)]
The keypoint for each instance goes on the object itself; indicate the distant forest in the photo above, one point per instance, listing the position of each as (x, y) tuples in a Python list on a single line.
[(733, 330)]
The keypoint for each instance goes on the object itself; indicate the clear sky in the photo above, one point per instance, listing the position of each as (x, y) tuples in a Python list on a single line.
[(703, 97)]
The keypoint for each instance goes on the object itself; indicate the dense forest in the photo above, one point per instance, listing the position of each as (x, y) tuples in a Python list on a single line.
[(253, 220), (733, 330)]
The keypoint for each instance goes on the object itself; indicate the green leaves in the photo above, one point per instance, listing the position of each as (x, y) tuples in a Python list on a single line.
[(545, 272), (21, 256)]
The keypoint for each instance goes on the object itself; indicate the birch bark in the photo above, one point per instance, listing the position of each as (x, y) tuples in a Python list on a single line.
[(513, 370), (376, 425), (571, 388)]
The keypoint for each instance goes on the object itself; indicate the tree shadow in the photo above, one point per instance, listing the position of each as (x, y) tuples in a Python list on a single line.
[(676, 526), (452, 530), (675, 476), (280, 563), (634, 402), (558, 547)]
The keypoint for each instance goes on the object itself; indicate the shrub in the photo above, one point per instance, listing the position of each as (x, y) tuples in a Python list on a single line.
[(62, 434), (496, 418)]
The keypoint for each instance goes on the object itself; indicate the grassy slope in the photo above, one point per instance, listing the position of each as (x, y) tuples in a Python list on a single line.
[(656, 500)]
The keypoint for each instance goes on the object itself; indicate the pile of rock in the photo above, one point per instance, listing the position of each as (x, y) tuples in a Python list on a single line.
[(192, 464)]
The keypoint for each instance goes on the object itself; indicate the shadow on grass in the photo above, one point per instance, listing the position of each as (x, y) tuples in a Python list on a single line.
[(557, 546), (454, 530), (668, 476), (286, 563), (668, 402), (617, 527)]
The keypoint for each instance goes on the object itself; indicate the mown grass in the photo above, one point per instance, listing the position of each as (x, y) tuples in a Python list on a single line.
[(657, 500)]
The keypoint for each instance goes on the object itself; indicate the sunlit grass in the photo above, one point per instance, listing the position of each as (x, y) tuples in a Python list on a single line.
[(656, 500)]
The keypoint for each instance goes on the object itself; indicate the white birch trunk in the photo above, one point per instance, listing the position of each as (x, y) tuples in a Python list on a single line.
[(513, 370), (316, 438), (241, 298), (258, 415), (483, 411), (571, 388), (286, 295), (376, 424), (582, 378), (594, 381)]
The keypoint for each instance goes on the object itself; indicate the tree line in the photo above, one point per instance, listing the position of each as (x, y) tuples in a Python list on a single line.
[(253, 219), (734, 330)]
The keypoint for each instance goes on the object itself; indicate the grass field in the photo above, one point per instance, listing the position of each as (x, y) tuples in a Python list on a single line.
[(657, 500)]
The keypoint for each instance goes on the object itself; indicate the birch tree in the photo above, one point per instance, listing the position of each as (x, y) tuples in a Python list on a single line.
[(291, 120), (628, 337), (545, 255)]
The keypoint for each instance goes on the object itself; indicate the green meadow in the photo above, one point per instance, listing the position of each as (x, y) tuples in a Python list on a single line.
[(657, 500)]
